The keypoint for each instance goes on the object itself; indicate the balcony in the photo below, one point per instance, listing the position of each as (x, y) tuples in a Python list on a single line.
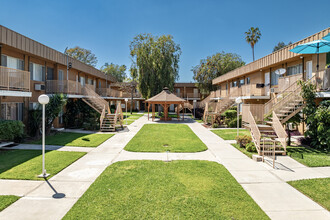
[(14, 80), (188, 95), (287, 81)]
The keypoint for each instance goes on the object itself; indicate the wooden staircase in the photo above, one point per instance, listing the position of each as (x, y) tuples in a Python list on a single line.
[(214, 110), (108, 121)]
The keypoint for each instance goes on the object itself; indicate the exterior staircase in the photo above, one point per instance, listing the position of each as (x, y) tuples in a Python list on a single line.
[(215, 109), (108, 121)]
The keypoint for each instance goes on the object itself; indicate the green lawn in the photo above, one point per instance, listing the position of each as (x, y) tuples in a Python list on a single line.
[(131, 117), (244, 151), (165, 137), (316, 189), (199, 120), (6, 201), (230, 134), (75, 139), (26, 164), (160, 190), (309, 156)]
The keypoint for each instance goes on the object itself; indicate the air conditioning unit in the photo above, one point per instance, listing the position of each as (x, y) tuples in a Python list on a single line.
[(39, 87)]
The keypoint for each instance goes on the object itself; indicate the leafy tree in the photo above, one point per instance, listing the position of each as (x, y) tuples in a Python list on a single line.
[(280, 45), (252, 36), (317, 118), (52, 111), (214, 66), (115, 70), (155, 63), (83, 55)]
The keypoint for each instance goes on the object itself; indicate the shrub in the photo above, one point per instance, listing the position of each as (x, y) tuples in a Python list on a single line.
[(230, 114), (250, 147), (233, 123), (11, 130), (215, 125), (243, 140)]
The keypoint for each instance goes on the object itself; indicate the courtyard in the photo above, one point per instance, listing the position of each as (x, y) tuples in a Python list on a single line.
[(158, 170)]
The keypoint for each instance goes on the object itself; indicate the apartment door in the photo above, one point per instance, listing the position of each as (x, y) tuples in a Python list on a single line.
[(267, 83), (195, 93), (309, 69), (60, 81)]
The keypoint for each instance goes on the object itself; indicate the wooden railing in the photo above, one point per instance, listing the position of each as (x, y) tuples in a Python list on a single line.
[(287, 81), (119, 115), (255, 133), (279, 130), (14, 80), (257, 111), (94, 100), (102, 117), (64, 86), (252, 90)]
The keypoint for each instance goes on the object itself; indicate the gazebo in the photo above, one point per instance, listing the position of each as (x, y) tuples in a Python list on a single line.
[(165, 98)]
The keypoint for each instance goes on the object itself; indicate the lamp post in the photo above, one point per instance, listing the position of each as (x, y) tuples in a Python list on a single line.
[(238, 102), (126, 100), (43, 100), (194, 103)]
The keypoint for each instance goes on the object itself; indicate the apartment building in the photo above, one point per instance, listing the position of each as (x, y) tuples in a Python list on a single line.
[(259, 83), (271, 97), (29, 69)]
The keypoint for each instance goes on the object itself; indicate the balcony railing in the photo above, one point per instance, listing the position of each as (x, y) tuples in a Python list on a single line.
[(244, 90), (14, 80), (286, 81)]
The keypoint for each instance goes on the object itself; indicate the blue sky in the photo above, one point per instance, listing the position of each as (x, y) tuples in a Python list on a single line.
[(202, 28)]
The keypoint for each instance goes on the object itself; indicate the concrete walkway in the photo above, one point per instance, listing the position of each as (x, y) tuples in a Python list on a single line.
[(277, 198), (54, 198), (266, 186)]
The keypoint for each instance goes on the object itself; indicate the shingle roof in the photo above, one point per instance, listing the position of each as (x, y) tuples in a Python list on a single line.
[(165, 96)]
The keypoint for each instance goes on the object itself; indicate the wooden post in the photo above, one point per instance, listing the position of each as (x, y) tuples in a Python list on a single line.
[(148, 109), (178, 111), (183, 111), (153, 112)]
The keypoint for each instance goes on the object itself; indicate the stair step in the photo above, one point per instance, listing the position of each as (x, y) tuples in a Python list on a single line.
[(276, 151)]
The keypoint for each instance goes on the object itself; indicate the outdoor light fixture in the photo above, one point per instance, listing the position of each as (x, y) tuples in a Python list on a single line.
[(126, 100), (238, 102), (43, 100), (194, 108)]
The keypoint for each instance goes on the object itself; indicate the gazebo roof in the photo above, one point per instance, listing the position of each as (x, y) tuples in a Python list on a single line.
[(165, 96)]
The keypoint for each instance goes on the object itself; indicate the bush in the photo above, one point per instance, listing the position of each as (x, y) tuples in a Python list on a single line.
[(250, 147), (243, 140), (230, 114), (233, 123), (215, 125), (11, 130)]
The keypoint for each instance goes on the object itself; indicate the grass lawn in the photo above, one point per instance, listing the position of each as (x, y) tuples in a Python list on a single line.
[(75, 139), (199, 120), (244, 151), (160, 190), (316, 189), (131, 117), (26, 164), (309, 156), (230, 134), (6, 201), (165, 137)]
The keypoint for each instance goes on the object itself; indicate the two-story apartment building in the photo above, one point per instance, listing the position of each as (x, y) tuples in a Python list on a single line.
[(259, 82), (187, 91), (29, 69)]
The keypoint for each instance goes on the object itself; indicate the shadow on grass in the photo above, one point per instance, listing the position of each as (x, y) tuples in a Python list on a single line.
[(12, 158)]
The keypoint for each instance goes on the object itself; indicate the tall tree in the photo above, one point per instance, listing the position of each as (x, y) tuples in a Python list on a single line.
[(214, 66), (280, 45), (119, 72), (252, 36), (83, 55), (154, 63)]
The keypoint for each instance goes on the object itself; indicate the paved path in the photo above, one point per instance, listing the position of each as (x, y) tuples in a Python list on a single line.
[(277, 198), (39, 202), (266, 186)]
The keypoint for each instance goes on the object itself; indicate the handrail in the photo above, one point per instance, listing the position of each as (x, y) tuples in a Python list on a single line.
[(102, 117), (14, 79), (255, 133), (279, 130)]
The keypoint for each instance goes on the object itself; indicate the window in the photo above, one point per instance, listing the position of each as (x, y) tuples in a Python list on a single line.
[(248, 80), (33, 105), (100, 85), (293, 70), (12, 62), (37, 72), (274, 78), (90, 81), (12, 111), (242, 82), (50, 73), (234, 84), (60, 75), (82, 80)]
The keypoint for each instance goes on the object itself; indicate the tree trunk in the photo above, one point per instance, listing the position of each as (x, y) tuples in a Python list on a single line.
[(253, 52)]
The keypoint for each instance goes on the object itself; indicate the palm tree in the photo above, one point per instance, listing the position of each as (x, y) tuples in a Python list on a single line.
[(252, 37)]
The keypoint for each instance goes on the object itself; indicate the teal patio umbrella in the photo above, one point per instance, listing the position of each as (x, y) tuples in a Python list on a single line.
[(314, 47), (327, 37)]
